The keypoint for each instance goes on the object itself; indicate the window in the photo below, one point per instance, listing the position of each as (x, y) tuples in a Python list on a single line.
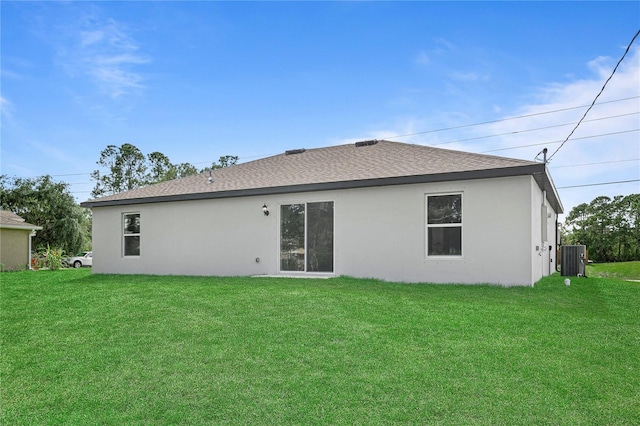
[(306, 237), (131, 234), (444, 225)]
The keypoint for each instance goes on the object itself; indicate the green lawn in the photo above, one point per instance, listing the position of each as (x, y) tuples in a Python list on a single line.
[(623, 270), (82, 349)]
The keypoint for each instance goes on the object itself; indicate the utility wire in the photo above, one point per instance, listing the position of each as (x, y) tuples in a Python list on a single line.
[(531, 130), (554, 142), (495, 121), (481, 152), (599, 184), (597, 96), (441, 130), (594, 164), (508, 118)]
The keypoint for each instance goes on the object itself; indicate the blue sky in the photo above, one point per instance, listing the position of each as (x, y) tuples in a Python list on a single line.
[(197, 80)]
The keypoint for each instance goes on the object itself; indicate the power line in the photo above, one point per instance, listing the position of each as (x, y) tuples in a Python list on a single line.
[(554, 142), (508, 133), (481, 152), (597, 96), (594, 164), (448, 128), (509, 118), (532, 130), (599, 184), (69, 174), (501, 149)]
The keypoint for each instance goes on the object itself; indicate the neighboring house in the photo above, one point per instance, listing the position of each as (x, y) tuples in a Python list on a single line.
[(15, 241), (379, 209)]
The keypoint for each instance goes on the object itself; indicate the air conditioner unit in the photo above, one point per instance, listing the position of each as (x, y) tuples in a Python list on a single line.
[(574, 261)]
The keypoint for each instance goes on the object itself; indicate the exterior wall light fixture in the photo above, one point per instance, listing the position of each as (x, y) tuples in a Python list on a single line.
[(265, 210)]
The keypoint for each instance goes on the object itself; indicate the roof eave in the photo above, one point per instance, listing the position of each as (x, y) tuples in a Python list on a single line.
[(531, 169), (544, 181), (21, 227)]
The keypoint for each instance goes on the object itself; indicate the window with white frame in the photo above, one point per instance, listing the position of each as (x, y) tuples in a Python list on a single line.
[(444, 225), (131, 234)]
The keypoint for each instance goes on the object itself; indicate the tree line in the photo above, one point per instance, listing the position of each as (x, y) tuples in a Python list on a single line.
[(128, 168), (609, 227), (65, 225)]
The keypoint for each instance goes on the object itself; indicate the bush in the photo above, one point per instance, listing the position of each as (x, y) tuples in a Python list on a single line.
[(49, 258)]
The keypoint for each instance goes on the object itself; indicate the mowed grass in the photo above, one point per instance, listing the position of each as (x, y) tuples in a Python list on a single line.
[(81, 349), (623, 270)]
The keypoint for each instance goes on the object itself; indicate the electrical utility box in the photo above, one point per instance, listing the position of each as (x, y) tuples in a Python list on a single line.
[(574, 261)]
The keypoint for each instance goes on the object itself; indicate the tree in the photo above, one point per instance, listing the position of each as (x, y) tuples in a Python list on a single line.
[(629, 208), (43, 202), (128, 168), (610, 228), (183, 170), (160, 167), (223, 161)]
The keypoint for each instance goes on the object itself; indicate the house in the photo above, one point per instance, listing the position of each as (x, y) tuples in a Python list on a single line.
[(15, 241), (378, 209)]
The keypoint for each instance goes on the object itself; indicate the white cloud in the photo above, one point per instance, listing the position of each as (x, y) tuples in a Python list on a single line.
[(443, 45), (11, 74), (6, 108), (105, 52), (88, 38), (422, 58), (50, 151), (608, 134), (439, 48), (468, 76)]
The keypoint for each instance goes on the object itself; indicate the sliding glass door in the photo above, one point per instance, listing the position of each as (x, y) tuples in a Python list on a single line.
[(306, 237)]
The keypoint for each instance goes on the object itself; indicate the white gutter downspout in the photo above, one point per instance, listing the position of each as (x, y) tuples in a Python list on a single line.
[(32, 234), (543, 235)]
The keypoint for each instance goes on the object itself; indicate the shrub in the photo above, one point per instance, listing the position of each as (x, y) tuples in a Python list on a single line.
[(49, 258)]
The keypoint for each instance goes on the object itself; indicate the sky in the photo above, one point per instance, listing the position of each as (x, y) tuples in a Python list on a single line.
[(198, 80)]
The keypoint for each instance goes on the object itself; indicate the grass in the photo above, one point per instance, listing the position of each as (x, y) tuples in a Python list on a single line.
[(83, 349), (622, 270)]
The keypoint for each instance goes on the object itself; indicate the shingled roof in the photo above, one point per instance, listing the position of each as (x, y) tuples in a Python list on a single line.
[(364, 164), (11, 220)]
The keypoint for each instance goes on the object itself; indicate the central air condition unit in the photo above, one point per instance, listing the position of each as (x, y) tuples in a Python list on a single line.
[(574, 261)]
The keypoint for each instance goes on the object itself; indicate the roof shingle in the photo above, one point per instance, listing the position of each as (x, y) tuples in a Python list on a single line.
[(11, 220), (382, 160)]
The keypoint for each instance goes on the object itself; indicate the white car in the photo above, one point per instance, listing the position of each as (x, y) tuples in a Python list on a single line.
[(80, 260)]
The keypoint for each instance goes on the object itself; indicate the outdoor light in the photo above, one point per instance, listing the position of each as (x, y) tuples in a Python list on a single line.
[(265, 210)]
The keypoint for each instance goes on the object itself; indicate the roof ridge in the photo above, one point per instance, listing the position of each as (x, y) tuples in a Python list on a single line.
[(319, 166)]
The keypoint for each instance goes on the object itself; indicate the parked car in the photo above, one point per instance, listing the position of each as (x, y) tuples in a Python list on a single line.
[(81, 259)]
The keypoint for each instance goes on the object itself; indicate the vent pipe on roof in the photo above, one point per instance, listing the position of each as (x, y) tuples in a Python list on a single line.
[(294, 151), (366, 143)]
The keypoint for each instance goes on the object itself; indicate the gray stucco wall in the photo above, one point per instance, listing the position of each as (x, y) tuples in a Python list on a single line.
[(380, 232)]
